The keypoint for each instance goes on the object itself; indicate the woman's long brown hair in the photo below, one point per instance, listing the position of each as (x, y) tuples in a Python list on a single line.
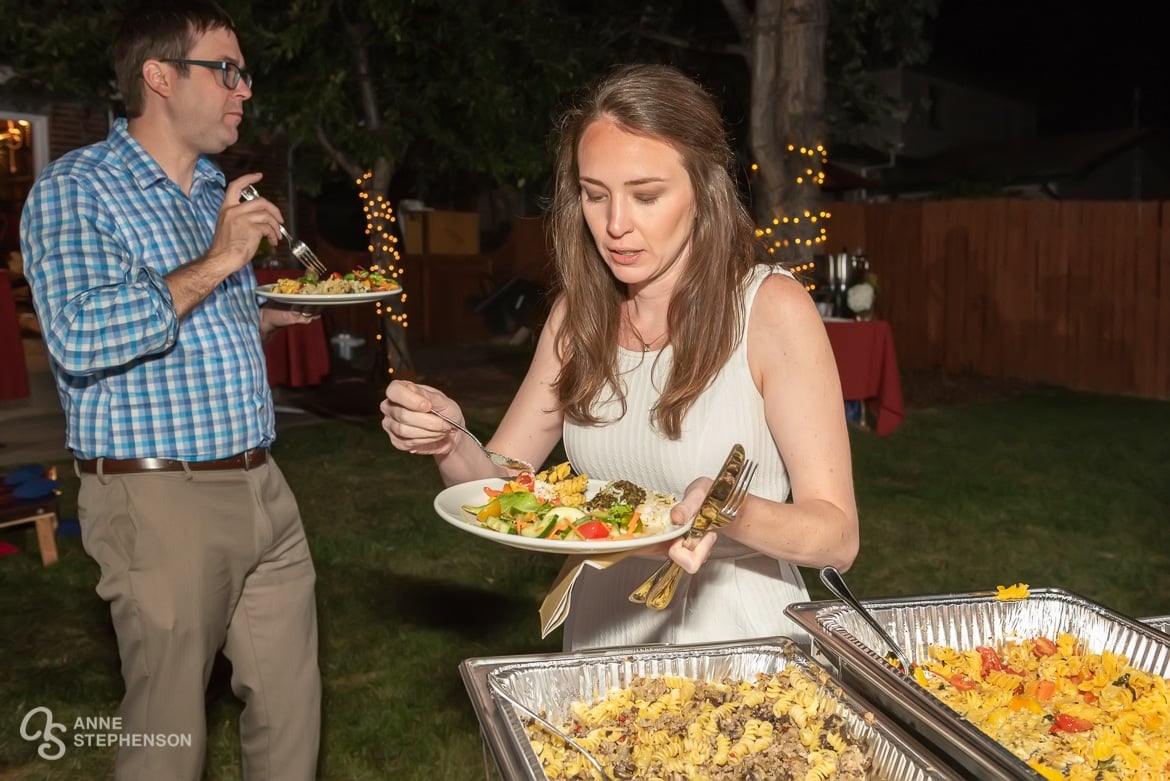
[(704, 320)]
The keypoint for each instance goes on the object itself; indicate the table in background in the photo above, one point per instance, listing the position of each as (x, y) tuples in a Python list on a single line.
[(14, 377), (868, 366), (299, 354)]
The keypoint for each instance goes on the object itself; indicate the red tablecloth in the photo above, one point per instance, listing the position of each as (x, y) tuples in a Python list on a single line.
[(13, 370), (299, 354), (868, 367)]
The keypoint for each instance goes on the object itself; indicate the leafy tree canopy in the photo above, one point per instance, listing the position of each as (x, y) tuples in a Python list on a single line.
[(463, 85), (469, 86)]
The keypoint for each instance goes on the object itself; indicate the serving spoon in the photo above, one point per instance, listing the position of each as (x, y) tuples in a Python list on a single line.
[(499, 459), (833, 581), (548, 725)]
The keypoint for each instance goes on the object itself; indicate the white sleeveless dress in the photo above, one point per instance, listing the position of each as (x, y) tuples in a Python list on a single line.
[(739, 593)]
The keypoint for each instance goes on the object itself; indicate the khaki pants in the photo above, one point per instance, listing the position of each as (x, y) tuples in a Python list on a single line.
[(192, 562)]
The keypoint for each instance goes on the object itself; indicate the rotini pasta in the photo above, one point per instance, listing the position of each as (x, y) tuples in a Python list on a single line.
[(1069, 714), (682, 729)]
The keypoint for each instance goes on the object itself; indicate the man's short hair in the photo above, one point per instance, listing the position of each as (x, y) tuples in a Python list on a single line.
[(159, 30)]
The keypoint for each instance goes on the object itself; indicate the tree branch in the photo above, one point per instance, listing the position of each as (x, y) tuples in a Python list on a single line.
[(741, 17), (737, 49), (365, 77), (347, 163)]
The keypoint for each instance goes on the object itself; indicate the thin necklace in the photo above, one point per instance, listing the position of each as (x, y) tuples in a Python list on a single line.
[(637, 333)]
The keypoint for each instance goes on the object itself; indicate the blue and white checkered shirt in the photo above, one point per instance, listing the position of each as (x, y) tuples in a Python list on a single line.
[(101, 227)]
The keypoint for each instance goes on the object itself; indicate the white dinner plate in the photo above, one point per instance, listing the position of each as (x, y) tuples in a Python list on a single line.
[(449, 504), (324, 299)]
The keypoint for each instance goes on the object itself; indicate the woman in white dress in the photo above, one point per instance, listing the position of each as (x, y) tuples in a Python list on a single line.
[(670, 339)]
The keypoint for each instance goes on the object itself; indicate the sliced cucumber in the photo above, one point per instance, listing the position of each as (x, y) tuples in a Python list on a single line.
[(538, 529), (570, 514), (497, 524)]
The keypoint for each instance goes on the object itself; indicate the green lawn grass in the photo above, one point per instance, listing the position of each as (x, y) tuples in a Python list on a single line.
[(1051, 487)]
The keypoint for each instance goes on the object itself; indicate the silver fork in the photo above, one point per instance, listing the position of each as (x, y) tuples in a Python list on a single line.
[(299, 249), (499, 459), (658, 590)]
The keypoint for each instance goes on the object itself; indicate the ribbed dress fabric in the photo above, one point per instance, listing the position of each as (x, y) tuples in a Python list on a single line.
[(738, 594)]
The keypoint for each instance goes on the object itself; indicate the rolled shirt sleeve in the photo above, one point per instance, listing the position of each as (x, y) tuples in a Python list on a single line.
[(100, 307)]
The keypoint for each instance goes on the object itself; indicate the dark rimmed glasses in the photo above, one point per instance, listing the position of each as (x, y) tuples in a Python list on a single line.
[(231, 73)]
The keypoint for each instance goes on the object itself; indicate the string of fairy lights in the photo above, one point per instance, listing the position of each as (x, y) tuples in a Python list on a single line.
[(383, 243), (803, 229)]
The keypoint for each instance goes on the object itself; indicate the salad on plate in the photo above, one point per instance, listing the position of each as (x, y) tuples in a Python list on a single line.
[(552, 505)]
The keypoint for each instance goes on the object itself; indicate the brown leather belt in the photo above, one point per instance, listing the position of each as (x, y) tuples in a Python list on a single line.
[(249, 459)]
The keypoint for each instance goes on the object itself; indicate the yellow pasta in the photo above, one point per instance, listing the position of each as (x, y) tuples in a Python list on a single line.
[(678, 728), (1012, 593), (1067, 713)]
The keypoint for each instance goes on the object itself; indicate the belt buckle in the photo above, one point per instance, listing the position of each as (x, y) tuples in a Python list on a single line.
[(251, 459)]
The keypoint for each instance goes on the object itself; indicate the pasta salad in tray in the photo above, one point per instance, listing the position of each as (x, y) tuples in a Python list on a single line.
[(1066, 712), (1018, 683)]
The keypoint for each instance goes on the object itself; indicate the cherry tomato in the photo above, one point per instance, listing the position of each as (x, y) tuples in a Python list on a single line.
[(1045, 689), (1066, 723), (1043, 647), (593, 530), (961, 682), (990, 658)]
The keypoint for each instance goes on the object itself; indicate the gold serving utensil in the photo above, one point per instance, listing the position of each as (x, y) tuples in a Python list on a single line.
[(708, 514), (726, 494), (663, 591)]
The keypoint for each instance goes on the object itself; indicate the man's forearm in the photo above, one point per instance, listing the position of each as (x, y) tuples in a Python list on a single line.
[(191, 283)]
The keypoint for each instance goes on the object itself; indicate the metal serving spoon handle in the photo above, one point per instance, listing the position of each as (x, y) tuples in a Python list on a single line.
[(833, 581)]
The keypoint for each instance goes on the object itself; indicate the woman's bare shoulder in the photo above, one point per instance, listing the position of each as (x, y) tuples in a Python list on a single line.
[(783, 301)]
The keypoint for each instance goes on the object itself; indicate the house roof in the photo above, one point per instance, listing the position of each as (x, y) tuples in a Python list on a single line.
[(1031, 161)]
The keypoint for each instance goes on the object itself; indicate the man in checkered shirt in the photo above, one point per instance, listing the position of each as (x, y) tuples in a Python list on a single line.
[(138, 255)]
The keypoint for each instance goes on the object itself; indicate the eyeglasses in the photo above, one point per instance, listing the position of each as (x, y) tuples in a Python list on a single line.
[(231, 72)]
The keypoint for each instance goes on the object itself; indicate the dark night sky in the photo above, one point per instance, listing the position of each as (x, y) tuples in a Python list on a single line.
[(1078, 62)]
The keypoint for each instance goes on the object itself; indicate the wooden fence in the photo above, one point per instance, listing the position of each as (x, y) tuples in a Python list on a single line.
[(1072, 293)]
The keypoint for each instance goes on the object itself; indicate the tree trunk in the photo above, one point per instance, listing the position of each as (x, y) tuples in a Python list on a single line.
[(376, 187), (764, 45), (788, 105), (398, 360)]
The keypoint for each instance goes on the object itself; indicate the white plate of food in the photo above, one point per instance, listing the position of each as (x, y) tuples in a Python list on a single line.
[(558, 529), (324, 299), (355, 287)]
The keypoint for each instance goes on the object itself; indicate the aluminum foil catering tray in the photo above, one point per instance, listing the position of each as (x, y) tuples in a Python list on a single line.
[(964, 621), (550, 683)]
